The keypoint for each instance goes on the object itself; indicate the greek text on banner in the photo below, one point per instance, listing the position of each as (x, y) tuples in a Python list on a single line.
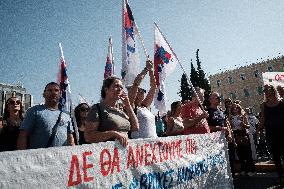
[(188, 161)]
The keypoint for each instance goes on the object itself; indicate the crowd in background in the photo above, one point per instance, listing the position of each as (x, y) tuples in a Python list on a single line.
[(122, 116)]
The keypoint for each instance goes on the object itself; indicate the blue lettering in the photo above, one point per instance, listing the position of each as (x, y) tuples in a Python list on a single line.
[(117, 186)]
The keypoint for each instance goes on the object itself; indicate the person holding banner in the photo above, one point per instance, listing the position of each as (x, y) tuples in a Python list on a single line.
[(218, 121), (141, 105), (10, 124), (45, 125), (106, 122), (272, 111), (194, 118), (175, 122)]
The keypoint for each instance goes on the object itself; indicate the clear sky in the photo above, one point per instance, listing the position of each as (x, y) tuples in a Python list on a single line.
[(229, 33)]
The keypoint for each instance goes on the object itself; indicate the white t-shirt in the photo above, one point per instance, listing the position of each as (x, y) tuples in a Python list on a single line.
[(253, 121), (147, 127)]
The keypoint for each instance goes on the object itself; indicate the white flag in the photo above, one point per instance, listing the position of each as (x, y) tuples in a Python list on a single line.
[(165, 63), (130, 56)]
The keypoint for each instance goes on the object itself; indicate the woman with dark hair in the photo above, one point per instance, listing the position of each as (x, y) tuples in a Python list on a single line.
[(239, 123), (106, 122), (10, 125), (272, 111), (81, 112), (175, 122)]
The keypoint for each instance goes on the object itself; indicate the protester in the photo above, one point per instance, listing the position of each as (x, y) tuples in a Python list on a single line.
[(262, 149), (81, 112), (142, 105), (194, 118), (272, 111), (217, 121), (10, 124), (175, 122), (228, 103), (106, 122), (45, 125), (239, 124), (253, 124), (160, 125)]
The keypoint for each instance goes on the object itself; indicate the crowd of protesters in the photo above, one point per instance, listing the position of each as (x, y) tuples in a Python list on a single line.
[(122, 116)]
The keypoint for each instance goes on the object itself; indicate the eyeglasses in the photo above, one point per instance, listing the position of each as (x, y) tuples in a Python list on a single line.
[(84, 109), (14, 102)]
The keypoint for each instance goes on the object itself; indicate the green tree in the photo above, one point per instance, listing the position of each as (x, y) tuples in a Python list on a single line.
[(202, 81), (193, 75), (185, 91)]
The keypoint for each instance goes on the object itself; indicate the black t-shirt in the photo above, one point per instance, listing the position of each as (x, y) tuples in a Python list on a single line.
[(274, 117), (8, 137), (216, 117)]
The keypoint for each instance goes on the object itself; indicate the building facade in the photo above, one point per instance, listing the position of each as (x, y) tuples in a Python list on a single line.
[(7, 91), (245, 83)]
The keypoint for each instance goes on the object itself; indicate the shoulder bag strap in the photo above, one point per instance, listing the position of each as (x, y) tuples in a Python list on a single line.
[(54, 130)]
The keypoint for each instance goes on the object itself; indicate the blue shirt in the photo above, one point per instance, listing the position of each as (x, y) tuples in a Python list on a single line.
[(39, 121)]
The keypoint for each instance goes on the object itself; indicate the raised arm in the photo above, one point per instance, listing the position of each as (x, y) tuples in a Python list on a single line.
[(130, 113), (150, 96), (132, 92)]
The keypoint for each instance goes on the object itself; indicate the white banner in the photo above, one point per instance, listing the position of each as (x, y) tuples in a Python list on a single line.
[(273, 78), (189, 161)]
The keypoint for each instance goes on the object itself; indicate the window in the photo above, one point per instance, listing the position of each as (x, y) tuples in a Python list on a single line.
[(243, 77), (246, 92), (270, 69), (260, 90), (218, 83), (256, 73), (230, 80), (233, 95)]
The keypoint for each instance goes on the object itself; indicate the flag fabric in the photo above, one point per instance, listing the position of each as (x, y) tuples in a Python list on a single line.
[(62, 79), (164, 64), (109, 67), (130, 56)]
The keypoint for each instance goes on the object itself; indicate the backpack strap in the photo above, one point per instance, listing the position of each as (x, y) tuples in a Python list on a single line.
[(54, 131)]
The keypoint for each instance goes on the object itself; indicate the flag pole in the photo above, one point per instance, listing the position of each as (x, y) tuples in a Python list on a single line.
[(71, 113), (188, 80), (142, 42), (111, 52), (61, 51)]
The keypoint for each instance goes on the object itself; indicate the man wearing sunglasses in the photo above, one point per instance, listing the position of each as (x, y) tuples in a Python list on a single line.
[(45, 125)]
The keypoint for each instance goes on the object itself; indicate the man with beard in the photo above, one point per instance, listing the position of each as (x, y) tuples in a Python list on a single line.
[(45, 125)]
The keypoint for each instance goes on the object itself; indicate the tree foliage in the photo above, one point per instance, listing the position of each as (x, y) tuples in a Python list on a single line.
[(198, 79)]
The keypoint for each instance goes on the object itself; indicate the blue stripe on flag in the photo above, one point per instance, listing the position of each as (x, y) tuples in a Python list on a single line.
[(131, 49)]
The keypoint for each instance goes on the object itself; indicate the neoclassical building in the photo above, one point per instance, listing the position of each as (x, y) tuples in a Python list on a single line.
[(7, 90), (245, 83)]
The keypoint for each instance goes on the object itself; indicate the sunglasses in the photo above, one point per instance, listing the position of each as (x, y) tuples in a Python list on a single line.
[(14, 102), (84, 109)]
